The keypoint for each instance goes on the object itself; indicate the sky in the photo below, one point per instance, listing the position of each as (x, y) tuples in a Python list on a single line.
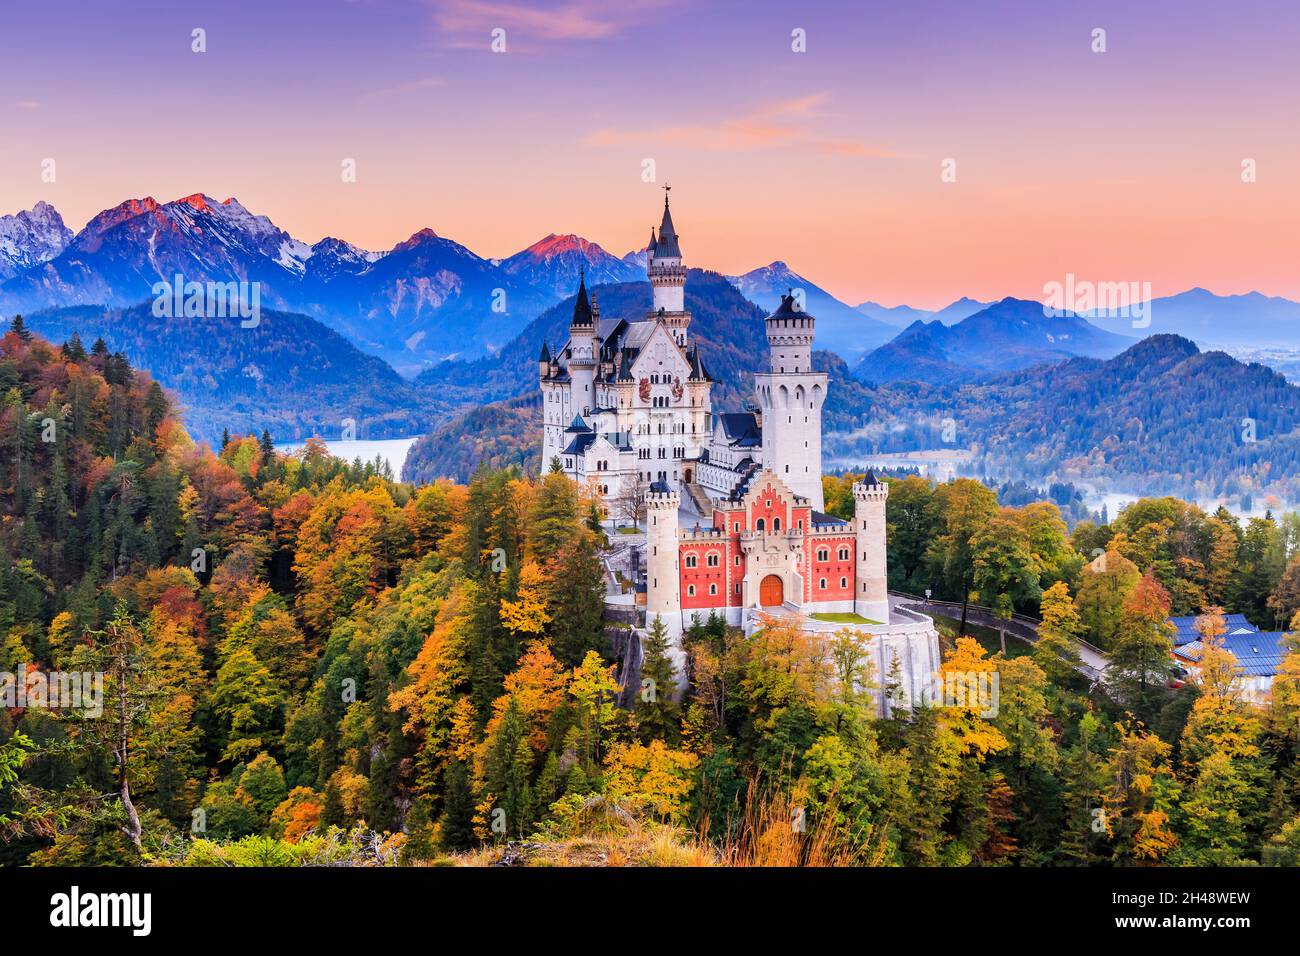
[(1123, 165)]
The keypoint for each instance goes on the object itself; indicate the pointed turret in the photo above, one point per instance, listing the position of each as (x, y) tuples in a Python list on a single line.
[(582, 317), (544, 361), (667, 246)]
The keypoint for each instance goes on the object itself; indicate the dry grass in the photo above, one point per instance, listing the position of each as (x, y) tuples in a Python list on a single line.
[(767, 833)]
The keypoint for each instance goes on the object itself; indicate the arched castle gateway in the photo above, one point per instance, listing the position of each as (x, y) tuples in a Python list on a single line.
[(733, 500)]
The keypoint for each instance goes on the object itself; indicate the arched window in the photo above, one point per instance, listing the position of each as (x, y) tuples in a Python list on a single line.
[(776, 524), (690, 560), (713, 559), (844, 582), (821, 583), (759, 525), (844, 554), (690, 590), (713, 589), (822, 554)]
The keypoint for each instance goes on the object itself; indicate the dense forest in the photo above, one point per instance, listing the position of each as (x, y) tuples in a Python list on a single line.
[(304, 661)]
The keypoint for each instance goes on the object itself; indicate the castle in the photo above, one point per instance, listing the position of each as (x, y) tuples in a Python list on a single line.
[(732, 501)]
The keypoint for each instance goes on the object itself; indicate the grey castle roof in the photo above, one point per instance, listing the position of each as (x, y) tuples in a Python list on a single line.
[(787, 309), (667, 244), (822, 520), (582, 317), (741, 429), (546, 354), (579, 444)]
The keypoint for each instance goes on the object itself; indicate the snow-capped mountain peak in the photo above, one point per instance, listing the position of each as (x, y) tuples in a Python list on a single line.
[(30, 238)]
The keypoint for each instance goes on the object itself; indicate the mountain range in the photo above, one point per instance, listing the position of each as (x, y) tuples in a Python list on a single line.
[(1007, 335), (1160, 417), (1249, 320), (425, 300), (289, 375), (901, 316)]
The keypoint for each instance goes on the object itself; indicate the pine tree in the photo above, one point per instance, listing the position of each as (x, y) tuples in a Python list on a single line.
[(19, 328), (1084, 829), (657, 714), (456, 830)]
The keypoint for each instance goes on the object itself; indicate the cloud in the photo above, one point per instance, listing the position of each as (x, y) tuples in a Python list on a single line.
[(543, 21), (28, 104), (776, 125), (401, 89)]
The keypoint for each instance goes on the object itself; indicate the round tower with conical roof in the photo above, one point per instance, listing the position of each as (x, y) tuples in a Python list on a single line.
[(791, 395), (582, 351)]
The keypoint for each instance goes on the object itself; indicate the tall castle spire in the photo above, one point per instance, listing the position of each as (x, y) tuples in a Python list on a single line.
[(668, 275), (667, 245)]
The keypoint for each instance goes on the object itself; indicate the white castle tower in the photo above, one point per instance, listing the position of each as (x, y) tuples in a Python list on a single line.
[(582, 345), (871, 596), (791, 396), (663, 582), (668, 276)]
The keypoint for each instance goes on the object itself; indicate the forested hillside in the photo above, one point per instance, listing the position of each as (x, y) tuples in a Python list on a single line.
[(305, 662), (289, 374), (1160, 415)]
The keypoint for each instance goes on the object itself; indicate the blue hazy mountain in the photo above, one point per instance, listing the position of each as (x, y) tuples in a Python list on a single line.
[(1210, 320), (1008, 335), (899, 316)]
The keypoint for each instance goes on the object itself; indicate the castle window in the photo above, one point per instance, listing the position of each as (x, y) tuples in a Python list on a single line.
[(776, 524), (690, 560), (737, 560), (759, 525), (823, 554), (713, 589), (713, 559), (821, 583), (844, 554), (844, 582), (690, 590)]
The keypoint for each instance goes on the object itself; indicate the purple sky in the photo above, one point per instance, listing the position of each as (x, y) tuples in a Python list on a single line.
[(1123, 165)]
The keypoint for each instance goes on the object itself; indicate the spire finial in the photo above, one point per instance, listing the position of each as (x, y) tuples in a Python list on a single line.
[(667, 187)]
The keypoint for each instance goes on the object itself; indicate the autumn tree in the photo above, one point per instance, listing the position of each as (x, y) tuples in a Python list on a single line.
[(1057, 650), (1141, 663)]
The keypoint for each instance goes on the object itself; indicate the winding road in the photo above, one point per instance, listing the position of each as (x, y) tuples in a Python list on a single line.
[(1092, 660)]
